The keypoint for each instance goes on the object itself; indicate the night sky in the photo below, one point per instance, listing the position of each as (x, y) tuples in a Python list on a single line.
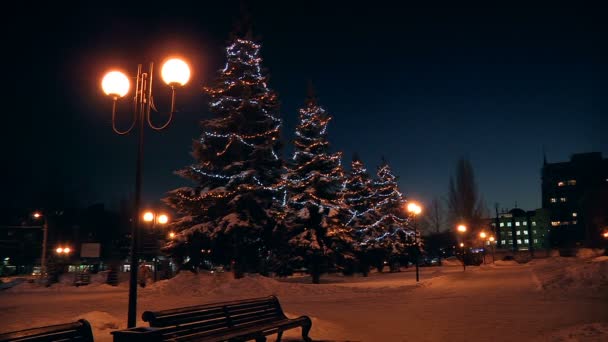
[(420, 86)]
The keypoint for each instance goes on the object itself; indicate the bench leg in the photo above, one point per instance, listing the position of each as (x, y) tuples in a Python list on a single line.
[(279, 335), (305, 331)]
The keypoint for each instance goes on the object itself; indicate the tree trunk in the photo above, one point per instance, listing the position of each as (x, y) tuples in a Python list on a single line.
[(315, 271)]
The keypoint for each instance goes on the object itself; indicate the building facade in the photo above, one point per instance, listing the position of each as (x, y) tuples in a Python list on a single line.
[(576, 195), (520, 230)]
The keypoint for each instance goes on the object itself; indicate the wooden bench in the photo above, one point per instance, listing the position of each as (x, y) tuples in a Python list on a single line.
[(241, 320), (75, 331)]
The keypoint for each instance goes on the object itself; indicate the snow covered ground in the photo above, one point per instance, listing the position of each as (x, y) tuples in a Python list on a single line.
[(555, 299)]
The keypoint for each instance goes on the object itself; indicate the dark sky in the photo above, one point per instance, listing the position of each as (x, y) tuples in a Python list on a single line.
[(420, 86)]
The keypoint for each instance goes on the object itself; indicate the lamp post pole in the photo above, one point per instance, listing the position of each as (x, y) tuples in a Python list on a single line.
[(464, 264), (175, 72), (415, 209), (462, 229)]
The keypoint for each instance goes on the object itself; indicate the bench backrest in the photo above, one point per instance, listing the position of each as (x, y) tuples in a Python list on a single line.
[(75, 331), (219, 315)]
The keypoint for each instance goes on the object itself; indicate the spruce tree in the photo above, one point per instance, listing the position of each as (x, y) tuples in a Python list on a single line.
[(357, 196), (230, 209), (314, 221), (390, 234)]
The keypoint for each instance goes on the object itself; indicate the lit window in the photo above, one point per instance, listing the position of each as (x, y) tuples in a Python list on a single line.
[(560, 184), (525, 232), (534, 231), (503, 242), (574, 214), (510, 242), (525, 223), (493, 224), (518, 241), (517, 224), (562, 199), (534, 223), (555, 223), (517, 232), (553, 199), (526, 241), (509, 233), (502, 224), (572, 182), (508, 224), (574, 222)]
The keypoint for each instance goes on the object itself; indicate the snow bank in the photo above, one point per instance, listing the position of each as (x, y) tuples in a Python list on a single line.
[(506, 263), (588, 253), (572, 274), (451, 261), (600, 258)]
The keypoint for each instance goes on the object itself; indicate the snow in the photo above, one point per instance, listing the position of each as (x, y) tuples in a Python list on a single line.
[(552, 299), (586, 253)]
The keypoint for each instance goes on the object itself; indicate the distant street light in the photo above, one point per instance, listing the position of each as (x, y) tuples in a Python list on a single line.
[(45, 233), (63, 250), (414, 209), (492, 242), (483, 235), (171, 235), (462, 229), (155, 218), (175, 72)]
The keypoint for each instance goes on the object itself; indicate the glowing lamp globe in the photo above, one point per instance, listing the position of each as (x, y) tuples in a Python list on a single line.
[(163, 219), (59, 250), (115, 83), (66, 250), (462, 228), (482, 235), (414, 208), (175, 72), (148, 216)]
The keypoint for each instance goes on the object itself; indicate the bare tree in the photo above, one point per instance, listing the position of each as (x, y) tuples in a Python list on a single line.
[(465, 205), (435, 219)]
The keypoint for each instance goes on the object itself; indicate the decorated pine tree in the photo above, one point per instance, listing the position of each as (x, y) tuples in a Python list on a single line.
[(357, 196), (314, 221), (228, 212), (389, 235)]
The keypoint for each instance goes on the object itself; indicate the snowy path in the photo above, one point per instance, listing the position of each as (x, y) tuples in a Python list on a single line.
[(484, 303)]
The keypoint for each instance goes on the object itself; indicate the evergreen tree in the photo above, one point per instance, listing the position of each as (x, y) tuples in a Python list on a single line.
[(314, 178), (357, 196), (237, 172), (390, 234)]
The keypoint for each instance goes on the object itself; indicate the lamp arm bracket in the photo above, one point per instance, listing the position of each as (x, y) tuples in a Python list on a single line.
[(153, 106), (114, 128)]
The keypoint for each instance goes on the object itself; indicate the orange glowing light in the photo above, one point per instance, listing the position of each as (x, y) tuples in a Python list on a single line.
[(462, 228), (115, 83), (163, 219), (148, 216), (175, 72)]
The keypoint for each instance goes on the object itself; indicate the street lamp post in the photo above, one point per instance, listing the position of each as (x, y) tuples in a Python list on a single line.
[(414, 209), (45, 234), (161, 219), (175, 72), (462, 229), (483, 235), (492, 241)]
